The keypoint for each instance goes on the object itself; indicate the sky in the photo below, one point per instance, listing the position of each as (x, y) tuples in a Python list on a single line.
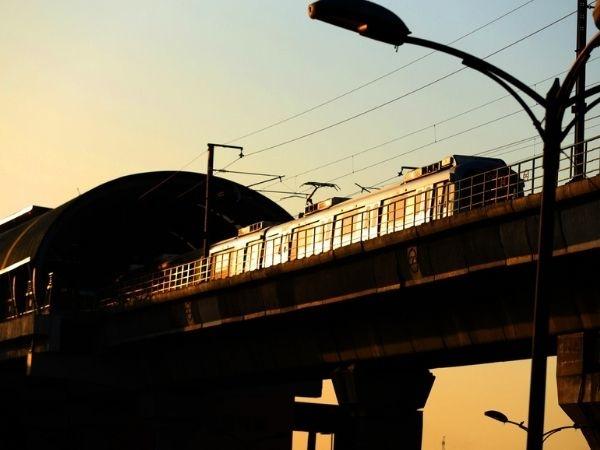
[(94, 90), (458, 399)]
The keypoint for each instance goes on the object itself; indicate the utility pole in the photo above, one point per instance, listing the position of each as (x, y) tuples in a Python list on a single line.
[(578, 152)]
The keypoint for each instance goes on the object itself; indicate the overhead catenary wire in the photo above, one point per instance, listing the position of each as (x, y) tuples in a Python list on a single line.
[(181, 169), (376, 79), (488, 151), (433, 142), (428, 144), (395, 99), (422, 129), (195, 158), (470, 33)]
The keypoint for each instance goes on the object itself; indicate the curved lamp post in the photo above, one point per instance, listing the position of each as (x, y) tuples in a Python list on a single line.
[(500, 417), (376, 22)]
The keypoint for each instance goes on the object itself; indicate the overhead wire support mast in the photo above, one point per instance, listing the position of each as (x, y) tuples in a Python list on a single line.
[(207, 195)]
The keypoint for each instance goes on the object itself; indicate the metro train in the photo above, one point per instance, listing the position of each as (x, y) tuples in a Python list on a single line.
[(424, 194)]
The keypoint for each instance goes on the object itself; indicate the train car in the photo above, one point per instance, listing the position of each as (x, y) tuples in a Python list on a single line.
[(239, 254), (427, 193)]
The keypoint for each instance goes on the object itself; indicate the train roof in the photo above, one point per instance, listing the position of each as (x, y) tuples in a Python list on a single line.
[(461, 165)]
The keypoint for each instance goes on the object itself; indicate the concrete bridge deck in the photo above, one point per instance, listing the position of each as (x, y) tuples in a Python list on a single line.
[(449, 292), (449, 285)]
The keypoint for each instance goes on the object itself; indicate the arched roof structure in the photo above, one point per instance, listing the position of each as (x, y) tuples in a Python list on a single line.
[(125, 223)]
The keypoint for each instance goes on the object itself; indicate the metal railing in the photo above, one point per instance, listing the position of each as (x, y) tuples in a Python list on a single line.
[(393, 214)]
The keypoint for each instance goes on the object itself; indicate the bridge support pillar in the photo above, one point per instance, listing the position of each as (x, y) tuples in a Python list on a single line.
[(383, 407), (578, 380)]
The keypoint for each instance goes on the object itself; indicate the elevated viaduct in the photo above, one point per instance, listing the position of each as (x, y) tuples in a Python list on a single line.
[(218, 364)]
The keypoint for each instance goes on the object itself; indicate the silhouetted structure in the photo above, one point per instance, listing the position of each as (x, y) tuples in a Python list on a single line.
[(217, 365)]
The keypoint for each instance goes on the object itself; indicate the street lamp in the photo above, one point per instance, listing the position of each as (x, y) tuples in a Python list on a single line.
[(375, 22), (500, 417)]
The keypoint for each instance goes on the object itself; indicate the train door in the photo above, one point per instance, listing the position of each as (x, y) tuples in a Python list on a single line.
[(253, 255), (392, 214), (272, 254), (348, 228), (284, 249), (443, 199), (309, 239)]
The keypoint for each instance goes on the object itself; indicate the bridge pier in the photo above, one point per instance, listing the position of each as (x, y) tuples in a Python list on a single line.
[(578, 380), (382, 406)]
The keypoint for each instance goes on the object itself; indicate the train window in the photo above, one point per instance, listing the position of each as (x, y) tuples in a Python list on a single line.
[(371, 227), (348, 228), (303, 241), (275, 250), (236, 261), (393, 214), (272, 251), (277, 247), (318, 234), (351, 226), (347, 225), (418, 203), (322, 238), (396, 212)]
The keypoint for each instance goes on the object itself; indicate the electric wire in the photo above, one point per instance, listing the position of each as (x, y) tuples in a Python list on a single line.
[(428, 144), (433, 142), (375, 80), (420, 130), (489, 151), (194, 159), (185, 166), (400, 97)]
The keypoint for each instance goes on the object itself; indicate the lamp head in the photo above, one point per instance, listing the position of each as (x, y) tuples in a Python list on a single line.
[(363, 17), (596, 14), (496, 415)]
